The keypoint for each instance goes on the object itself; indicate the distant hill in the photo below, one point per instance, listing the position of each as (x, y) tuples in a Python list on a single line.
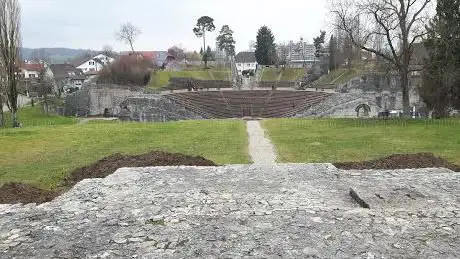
[(56, 55)]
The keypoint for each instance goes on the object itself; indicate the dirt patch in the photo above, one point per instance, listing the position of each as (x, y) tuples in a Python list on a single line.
[(110, 164), (23, 193), (401, 161)]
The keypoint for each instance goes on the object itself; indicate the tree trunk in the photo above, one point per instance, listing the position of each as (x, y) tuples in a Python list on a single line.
[(15, 119), (405, 92), (2, 117), (132, 47), (205, 59)]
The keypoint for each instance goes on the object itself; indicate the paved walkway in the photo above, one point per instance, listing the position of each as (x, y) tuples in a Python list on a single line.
[(260, 148), (284, 211)]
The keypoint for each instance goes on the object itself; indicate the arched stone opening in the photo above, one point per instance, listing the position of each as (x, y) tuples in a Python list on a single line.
[(363, 110)]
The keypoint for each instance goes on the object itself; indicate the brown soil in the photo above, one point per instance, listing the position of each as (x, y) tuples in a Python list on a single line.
[(401, 161), (110, 164), (23, 193)]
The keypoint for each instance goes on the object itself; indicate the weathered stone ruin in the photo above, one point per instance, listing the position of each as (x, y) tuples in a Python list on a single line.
[(98, 100)]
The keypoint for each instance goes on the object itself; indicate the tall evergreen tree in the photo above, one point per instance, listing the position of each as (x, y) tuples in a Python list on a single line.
[(333, 54), (318, 42), (441, 77), (208, 55), (323, 60), (225, 41), (204, 24), (265, 47)]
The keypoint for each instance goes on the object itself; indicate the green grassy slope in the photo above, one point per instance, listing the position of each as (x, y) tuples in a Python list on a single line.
[(332, 140), (338, 76), (161, 78), (34, 116), (288, 74), (43, 155)]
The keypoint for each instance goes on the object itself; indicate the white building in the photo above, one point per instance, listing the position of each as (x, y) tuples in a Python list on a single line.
[(31, 71), (298, 54), (95, 64), (246, 61)]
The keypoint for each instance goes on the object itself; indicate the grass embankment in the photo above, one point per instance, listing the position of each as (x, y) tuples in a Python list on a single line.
[(340, 140), (279, 74), (34, 116), (43, 155), (161, 78), (338, 76)]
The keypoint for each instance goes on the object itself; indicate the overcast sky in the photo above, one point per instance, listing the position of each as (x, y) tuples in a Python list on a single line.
[(91, 24)]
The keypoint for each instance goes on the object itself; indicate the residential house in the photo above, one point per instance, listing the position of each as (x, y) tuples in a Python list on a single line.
[(158, 58), (31, 71), (94, 64), (246, 61), (66, 77)]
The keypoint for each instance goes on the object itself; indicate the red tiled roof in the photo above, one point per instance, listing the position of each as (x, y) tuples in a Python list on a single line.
[(32, 67), (145, 54)]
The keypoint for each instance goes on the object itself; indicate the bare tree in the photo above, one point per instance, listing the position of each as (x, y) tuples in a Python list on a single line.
[(10, 23), (177, 52), (108, 51), (3, 99), (399, 22), (128, 34)]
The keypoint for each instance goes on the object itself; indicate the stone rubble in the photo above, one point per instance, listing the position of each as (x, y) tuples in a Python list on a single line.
[(286, 210)]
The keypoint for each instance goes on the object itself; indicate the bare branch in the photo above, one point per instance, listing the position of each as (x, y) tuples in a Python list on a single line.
[(10, 22), (400, 22), (128, 33)]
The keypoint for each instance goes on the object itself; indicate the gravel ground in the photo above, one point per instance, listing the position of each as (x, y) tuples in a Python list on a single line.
[(261, 149)]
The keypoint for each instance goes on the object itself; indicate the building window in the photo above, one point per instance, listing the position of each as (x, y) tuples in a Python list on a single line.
[(32, 75)]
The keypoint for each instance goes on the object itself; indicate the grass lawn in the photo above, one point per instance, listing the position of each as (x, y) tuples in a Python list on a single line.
[(333, 140), (338, 76), (288, 74), (34, 116), (43, 155), (161, 78)]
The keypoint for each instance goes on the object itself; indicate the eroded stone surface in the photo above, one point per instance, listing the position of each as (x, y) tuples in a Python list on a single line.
[(292, 211)]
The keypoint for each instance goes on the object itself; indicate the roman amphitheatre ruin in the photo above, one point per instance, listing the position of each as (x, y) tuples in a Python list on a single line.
[(263, 210)]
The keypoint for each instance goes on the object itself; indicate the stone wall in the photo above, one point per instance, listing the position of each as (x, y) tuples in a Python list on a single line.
[(152, 107), (95, 100), (384, 90), (379, 91), (342, 105)]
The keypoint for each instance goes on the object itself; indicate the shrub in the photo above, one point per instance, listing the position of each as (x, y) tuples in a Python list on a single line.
[(127, 70)]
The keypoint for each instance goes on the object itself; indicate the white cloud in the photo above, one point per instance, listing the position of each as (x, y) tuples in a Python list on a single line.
[(93, 23)]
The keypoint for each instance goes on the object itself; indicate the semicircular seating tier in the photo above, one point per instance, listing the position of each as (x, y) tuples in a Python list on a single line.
[(257, 103)]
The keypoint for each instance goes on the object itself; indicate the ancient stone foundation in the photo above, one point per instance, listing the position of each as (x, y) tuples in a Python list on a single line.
[(290, 211), (151, 107)]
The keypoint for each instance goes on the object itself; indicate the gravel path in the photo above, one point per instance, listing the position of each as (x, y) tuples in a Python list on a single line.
[(283, 211), (260, 148), (84, 121)]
